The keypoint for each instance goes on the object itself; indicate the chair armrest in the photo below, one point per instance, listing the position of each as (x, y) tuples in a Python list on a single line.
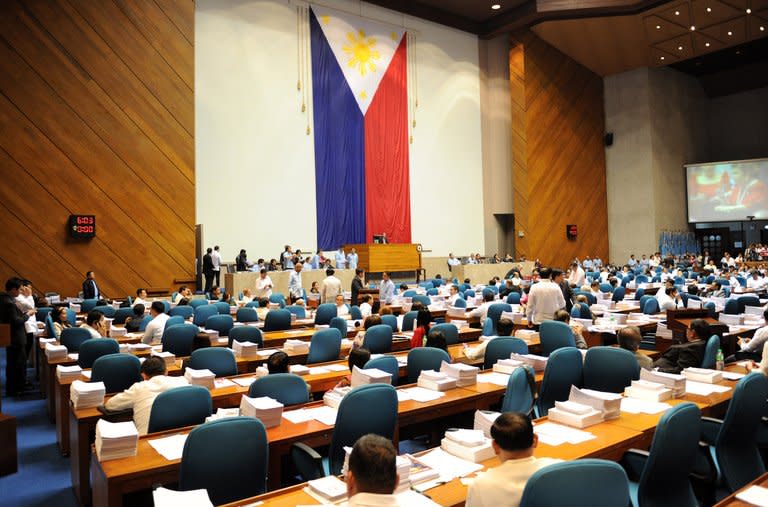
[(710, 427), (308, 463), (704, 468), (633, 463)]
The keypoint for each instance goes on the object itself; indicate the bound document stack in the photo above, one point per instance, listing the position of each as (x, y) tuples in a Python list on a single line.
[(298, 369), (135, 347), (403, 466), (607, 403), (538, 363), (527, 335), (203, 378), (672, 381), (369, 376), (68, 373), (456, 312), (296, 347), (507, 366), (703, 375), (87, 394), (464, 374), (269, 411), (55, 352), (245, 349), (116, 440), (123, 348), (262, 371), (574, 414), (435, 381), (471, 445), (168, 357), (648, 391), (213, 335), (329, 488), (333, 397), (484, 419)]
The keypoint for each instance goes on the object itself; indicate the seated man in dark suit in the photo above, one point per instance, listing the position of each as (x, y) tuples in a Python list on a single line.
[(688, 354)]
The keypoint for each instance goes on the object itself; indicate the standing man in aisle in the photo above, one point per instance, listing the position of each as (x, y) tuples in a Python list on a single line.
[(208, 269), (330, 287), (216, 258), (341, 259), (386, 289), (90, 288), (15, 368), (358, 283), (352, 259), (294, 284)]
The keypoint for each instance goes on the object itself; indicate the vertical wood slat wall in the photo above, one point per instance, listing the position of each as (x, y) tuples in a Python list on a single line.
[(97, 117), (558, 155)]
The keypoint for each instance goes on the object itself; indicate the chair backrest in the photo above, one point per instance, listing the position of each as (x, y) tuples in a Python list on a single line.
[(501, 348), (386, 363), (278, 298), (166, 306), (117, 371), (247, 315), (277, 320), (143, 324), (432, 292), (391, 321), (219, 360), (731, 307), (564, 369), (581, 311), (450, 331), (88, 304), (460, 302), (606, 288), (299, 311), (409, 293), (664, 480), (198, 302), (736, 446), (178, 339), (355, 313), (554, 335), (710, 352), (379, 404), (179, 407), (426, 285), (711, 309), (494, 312), (49, 329), (202, 313), (246, 334), (287, 388), (577, 480), (469, 293), (488, 327), (174, 321), (521, 391), (325, 312), (745, 301), (618, 294), (378, 339), (73, 337), (220, 323), (639, 293), (91, 350), (222, 307), (643, 300), (339, 324), (409, 319), (325, 345), (121, 315), (422, 299), (590, 297), (610, 369), (425, 358), (227, 457), (651, 306), (513, 298), (183, 311)]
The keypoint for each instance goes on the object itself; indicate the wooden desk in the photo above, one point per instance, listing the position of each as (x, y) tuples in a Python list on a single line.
[(731, 500)]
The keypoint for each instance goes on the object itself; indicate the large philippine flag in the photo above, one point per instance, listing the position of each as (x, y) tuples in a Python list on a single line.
[(360, 100)]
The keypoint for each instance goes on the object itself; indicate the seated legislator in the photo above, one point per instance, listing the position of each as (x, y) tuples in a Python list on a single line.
[(370, 321), (154, 331), (503, 328), (59, 318), (689, 354), (436, 339), (752, 348), (263, 309), (342, 310), (372, 475), (141, 297), (577, 329), (141, 395), (366, 309), (513, 442), (481, 311), (133, 323), (247, 296), (357, 357), (278, 363), (629, 339), (423, 323), (184, 292), (95, 324)]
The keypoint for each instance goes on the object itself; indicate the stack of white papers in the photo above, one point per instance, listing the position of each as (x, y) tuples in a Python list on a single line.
[(47, 340), (471, 445), (168, 357), (670, 380), (527, 335), (169, 498), (212, 334), (648, 391), (68, 373), (464, 374), (87, 394), (574, 414), (223, 413), (448, 466), (554, 434), (116, 440), (123, 348), (55, 352), (329, 488), (268, 410), (139, 346), (298, 369), (419, 394), (245, 349), (203, 378), (333, 397), (507, 366), (731, 320), (484, 419), (704, 389), (115, 331), (435, 381), (636, 406), (538, 363), (499, 379), (362, 377), (607, 403), (296, 346), (703, 375)]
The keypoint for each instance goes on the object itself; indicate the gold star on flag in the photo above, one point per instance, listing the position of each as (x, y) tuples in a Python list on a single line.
[(393, 35), (325, 19), (363, 95)]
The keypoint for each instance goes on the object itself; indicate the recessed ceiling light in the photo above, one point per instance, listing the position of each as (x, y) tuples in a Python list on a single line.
[(749, 11), (677, 13), (693, 28), (661, 58), (496, 7), (738, 52), (706, 44), (709, 9), (679, 48), (730, 33), (658, 27), (762, 28)]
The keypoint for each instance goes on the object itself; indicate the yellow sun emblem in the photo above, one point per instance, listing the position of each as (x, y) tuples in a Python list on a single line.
[(361, 52)]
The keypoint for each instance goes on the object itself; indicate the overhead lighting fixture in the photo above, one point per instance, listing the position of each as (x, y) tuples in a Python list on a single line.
[(709, 9), (693, 28), (658, 27), (677, 13), (679, 48), (762, 28), (706, 44), (730, 33), (496, 7), (749, 11), (661, 58)]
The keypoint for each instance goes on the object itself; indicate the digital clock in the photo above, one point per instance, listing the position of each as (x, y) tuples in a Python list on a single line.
[(82, 226)]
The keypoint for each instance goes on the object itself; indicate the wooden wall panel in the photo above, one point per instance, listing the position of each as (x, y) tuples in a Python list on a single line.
[(97, 116), (558, 153)]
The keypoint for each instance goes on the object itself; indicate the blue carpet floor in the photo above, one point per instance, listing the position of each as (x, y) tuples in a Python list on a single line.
[(43, 477)]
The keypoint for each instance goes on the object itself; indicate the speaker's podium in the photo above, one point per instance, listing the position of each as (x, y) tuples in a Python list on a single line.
[(390, 257)]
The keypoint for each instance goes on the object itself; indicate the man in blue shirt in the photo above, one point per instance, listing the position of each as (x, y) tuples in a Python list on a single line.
[(287, 258), (386, 289), (315, 262), (352, 259), (294, 284), (341, 260)]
